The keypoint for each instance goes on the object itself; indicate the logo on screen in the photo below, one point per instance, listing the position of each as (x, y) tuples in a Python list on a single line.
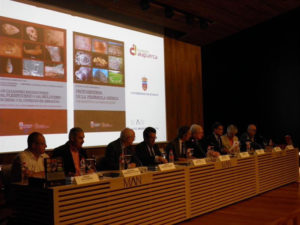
[(145, 83), (134, 50), (23, 126)]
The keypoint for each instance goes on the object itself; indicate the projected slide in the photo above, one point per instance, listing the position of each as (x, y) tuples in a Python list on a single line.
[(99, 101), (35, 99), (59, 70)]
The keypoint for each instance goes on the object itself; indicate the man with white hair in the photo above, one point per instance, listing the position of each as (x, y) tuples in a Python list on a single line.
[(256, 142), (195, 142), (122, 145)]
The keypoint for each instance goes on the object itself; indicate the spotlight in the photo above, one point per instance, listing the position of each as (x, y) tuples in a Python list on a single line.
[(144, 4), (169, 13)]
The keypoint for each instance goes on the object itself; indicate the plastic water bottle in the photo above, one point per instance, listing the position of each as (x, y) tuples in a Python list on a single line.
[(24, 169), (248, 146), (271, 143), (122, 162), (82, 167), (171, 156)]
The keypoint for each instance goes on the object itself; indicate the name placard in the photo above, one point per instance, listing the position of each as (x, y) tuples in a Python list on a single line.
[(223, 158), (277, 149), (198, 162), (88, 178), (289, 147), (166, 166), (260, 151), (131, 172), (244, 155)]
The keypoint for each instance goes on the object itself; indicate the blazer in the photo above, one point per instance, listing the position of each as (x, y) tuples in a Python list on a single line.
[(113, 152), (256, 144), (143, 154), (174, 145), (198, 146), (65, 154), (212, 141), (226, 142)]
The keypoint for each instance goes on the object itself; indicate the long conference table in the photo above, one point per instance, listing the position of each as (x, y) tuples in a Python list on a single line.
[(158, 197)]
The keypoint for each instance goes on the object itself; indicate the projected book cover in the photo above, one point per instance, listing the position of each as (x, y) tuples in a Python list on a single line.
[(99, 89), (32, 78)]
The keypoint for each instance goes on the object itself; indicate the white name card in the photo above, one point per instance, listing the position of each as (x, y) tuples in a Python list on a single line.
[(198, 162), (223, 158), (277, 149), (260, 151), (166, 166), (244, 155), (289, 147), (131, 172), (88, 178)]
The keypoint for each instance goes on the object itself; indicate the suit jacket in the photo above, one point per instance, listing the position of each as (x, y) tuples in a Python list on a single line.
[(212, 141), (256, 144), (113, 152), (64, 152), (174, 145), (143, 154), (198, 146)]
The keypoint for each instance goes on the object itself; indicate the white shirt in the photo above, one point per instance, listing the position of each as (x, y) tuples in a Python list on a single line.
[(32, 163)]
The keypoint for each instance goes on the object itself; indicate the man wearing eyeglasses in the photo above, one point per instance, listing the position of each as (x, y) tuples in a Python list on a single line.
[(147, 151)]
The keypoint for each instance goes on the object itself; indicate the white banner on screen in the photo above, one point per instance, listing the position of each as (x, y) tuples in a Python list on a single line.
[(117, 71)]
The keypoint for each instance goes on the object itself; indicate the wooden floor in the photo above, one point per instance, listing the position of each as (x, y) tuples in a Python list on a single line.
[(278, 207)]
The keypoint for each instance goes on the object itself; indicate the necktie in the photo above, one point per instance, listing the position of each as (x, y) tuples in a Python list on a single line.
[(151, 152), (183, 149)]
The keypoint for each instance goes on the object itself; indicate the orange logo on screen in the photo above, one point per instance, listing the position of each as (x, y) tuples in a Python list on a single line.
[(133, 50), (145, 83)]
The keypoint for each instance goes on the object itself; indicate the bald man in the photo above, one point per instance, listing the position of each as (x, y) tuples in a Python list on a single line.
[(119, 146), (256, 142), (32, 158)]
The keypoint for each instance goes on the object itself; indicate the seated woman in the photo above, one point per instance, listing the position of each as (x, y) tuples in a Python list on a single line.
[(230, 141)]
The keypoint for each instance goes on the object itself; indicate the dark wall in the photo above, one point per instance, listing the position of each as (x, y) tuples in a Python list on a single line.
[(254, 77)]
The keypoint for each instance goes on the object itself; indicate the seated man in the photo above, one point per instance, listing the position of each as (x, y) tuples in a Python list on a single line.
[(147, 151), (32, 159), (178, 145), (251, 137), (72, 152), (196, 142), (122, 145), (214, 140)]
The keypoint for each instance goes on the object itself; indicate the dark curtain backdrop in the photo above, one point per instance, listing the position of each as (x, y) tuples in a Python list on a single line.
[(254, 77)]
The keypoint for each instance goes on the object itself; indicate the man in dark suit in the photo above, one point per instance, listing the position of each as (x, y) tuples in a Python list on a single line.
[(196, 142), (178, 145), (122, 145), (255, 141), (147, 151), (72, 152), (214, 139)]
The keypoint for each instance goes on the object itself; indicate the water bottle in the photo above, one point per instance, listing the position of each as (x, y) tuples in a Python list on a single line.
[(24, 177), (188, 156), (248, 146), (82, 167), (171, 156), (122, 162), (271, 143)]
